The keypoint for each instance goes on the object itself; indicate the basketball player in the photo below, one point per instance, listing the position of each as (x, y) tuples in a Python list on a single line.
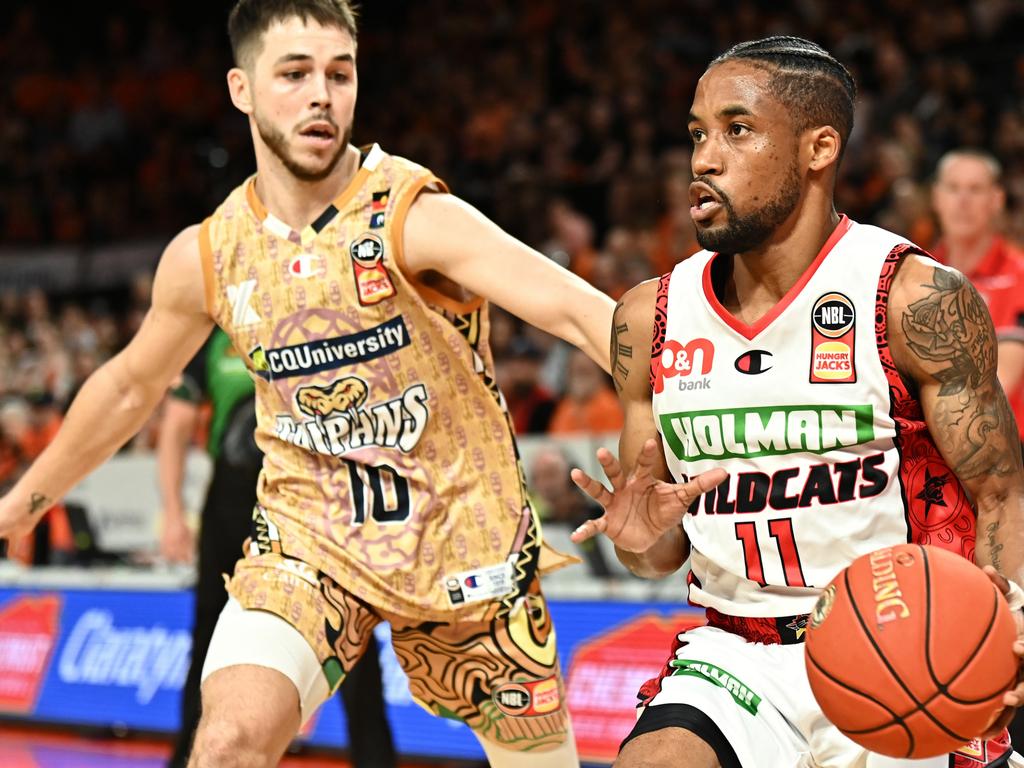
[(391, 487), (218, 376), (820, 389)]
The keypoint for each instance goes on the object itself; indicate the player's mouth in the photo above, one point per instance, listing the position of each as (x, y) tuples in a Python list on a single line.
[(320, 134), (704, 201)]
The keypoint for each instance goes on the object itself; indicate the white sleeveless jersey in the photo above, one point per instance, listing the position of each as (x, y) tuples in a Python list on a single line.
[(827, 453)]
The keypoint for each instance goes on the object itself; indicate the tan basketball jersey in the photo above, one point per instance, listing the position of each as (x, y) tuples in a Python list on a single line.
[(390, 463)]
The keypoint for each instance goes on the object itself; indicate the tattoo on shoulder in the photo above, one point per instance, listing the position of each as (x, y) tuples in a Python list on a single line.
[(621, 354), (970, 418), (949, 326), (38, 502)]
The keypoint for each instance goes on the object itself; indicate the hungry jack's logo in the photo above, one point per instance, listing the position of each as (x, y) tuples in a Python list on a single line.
[(373, 282), (833, 331)]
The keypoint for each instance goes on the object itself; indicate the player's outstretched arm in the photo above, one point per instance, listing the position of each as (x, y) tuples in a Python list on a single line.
[(116, 400), (643, 509), (942, 340), (449, 236)]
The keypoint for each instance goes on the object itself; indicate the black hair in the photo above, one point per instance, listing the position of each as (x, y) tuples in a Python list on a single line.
[(813, 84)]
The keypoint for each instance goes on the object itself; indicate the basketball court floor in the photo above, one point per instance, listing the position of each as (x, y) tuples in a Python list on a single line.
[(30, 748)]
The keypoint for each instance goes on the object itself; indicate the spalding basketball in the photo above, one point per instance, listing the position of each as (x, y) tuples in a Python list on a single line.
[(909, 651)]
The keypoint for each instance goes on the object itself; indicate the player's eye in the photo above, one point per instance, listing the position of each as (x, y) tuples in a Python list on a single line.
[(738, 129), (293, 74), (697, 135)]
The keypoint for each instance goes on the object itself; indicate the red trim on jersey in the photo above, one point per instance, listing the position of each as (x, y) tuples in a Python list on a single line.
[(935, 504), (750, 331), (652, 687), (660, 322)]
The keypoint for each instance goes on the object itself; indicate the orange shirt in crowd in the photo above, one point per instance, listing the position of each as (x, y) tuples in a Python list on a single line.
[(599, 413), (999, 278)]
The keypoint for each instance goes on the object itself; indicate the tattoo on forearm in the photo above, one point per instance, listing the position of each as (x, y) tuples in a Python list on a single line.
[(994, 548), (971, 417), (620, 353), (38, 502)]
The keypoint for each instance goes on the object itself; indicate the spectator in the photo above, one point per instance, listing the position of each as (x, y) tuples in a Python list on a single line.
[(518, 373), (968, 199), (588, 405)]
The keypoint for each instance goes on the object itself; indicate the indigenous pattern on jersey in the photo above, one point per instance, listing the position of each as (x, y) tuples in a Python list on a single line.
[(499, 674), (827, 451), (390, 463)]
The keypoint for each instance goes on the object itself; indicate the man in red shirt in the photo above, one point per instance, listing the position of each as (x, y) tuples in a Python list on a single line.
[(968, 199)]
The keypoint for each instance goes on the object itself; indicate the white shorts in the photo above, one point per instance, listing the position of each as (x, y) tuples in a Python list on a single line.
[(266, 640), (756, 698)]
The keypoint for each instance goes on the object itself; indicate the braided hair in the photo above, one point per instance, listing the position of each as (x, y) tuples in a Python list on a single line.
[(817, 89)]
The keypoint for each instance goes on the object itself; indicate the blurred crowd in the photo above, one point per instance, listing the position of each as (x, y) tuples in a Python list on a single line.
[(565, 122)]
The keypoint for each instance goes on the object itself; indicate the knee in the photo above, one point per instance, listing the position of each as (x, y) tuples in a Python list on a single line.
[(227, 744)]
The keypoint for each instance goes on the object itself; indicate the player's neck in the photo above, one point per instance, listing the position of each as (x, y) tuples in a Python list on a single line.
[(965, 253), (296, 202), (767, 274)]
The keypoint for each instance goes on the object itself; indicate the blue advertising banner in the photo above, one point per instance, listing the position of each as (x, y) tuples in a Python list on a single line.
[(119, 658)]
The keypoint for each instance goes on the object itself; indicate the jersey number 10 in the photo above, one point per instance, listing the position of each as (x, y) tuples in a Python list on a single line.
[(378, 492)]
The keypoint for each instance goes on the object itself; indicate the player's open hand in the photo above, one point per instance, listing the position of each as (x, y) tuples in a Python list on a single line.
[(639, 508), (1015, 697)]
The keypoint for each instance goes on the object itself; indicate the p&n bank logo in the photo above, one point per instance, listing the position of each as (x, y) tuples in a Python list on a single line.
[(687, 361)]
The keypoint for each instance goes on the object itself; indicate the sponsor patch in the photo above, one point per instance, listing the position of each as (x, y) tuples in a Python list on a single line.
[(480, 584), (312, 357), (373, 282), (532, 698), (377, 220), (833, 331), (747, 433), (754, 362), (695, 357)]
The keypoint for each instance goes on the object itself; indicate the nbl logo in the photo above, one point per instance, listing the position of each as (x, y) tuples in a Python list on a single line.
[(833, 333)]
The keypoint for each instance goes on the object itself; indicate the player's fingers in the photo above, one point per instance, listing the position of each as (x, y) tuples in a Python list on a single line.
[(593, 488), (589, 529), (998, 579), (702, 483), (646, 460), (612, 468)]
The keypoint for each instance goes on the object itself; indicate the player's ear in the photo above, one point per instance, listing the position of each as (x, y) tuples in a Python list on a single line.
[(240, 89), (825, 144)]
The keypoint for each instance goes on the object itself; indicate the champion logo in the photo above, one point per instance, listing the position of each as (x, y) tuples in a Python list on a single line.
[(306, 265), (754, 362), (242, 314)]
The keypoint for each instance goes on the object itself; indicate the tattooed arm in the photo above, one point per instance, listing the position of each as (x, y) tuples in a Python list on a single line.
[(644, 509), (945, 344)]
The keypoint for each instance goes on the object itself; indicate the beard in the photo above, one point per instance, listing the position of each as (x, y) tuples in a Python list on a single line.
[(275, 139), (748, 232)]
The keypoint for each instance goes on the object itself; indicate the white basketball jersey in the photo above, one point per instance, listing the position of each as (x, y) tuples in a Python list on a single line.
[(827, 452)]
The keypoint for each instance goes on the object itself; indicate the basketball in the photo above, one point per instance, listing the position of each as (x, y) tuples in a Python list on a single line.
[(909, 651)]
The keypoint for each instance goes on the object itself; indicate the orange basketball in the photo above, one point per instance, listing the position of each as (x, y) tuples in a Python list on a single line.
[(909, 651)]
